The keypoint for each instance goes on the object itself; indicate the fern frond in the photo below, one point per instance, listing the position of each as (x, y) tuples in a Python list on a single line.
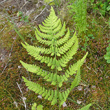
[(64, 60), (43, 59), (47, 94), (51, 30), (41, 40), (73, 68), (64, 39), (58, 50), (77, 80), (36, 49), (29, 67), (54, 24), (48, 76), (36, 53), (54, 78), (51, 25), (52, 18), (63, 96), (86, 107), (61, 32), (43, 35), (51, 95), (67, 45), (49, 36)]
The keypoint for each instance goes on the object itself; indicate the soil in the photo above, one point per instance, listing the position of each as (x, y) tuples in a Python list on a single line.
[(31, 8)]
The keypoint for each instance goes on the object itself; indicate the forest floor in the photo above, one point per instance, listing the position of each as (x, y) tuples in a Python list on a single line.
[(95, 72)]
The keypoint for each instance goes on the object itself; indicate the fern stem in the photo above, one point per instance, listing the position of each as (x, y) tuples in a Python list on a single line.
[(56, 71)]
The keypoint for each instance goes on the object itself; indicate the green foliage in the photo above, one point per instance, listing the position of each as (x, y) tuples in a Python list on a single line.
[(78, 10), (50, 2), (108, 22), (103, 7), (39, 107), (14, 26), (53, 2), (85, 44), (86, 107), (91, 75), (34, 106), (22, 17), (56, 51), (107, 55)]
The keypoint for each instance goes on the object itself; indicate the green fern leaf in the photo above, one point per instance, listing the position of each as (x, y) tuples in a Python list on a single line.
[(50, 78), (64, 39), (31, 68), (64, 60), (67, 45), (36, 49), (39, 107), (61, 32), (47, 76), (51, 96), (54, 80), (73, 68), (46, 36), (60, 96), (41, 40), (47, 95), (76, 80), (86, 107), (33, 106), (58, 50), (54, 101)]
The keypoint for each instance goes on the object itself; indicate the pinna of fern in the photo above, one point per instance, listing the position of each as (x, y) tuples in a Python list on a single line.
[(59, 50)]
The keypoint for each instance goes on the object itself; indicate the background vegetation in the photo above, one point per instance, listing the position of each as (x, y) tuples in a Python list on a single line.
[(18, 20)]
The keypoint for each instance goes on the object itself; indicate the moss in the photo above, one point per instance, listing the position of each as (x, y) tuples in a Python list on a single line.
[(95, 71)]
